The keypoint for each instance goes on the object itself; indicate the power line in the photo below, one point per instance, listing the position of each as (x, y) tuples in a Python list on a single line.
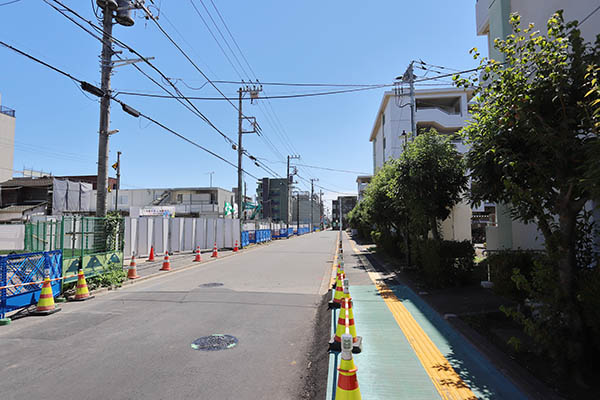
[(588, 16), (291, 96), (9, 2), (144, 59), (163, 76), (125, 106)]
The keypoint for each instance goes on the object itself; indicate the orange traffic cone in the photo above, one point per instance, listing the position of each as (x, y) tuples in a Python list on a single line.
[(198, 257), (45, 305), (338, 294), (132, 271), (347, 383), (346, 325), (151, 256), (235, 249), (166, 263), (82, 292), (215, 254)]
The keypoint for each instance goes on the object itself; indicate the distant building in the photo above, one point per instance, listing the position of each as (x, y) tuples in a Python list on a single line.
[(7, 142), (192, 201), (348, 203), (303, 204), (56, 194), (362, 181), (273, 197)]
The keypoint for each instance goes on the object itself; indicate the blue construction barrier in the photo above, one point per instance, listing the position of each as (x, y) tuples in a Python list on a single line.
[(245, 238), (18, 269)]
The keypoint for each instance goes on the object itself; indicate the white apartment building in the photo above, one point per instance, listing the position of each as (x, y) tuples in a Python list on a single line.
[(7, 142), (446, 110), (492, 18)]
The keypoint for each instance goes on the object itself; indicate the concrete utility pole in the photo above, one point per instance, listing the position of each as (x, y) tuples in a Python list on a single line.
[(211, 174), (253, 90), (118, 164), (123, 17), (289, 200), (320, 209), (409, 77), (312, 194), (107, 52), (298, 213)]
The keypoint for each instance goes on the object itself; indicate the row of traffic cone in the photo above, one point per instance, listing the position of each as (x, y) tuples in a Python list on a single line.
[(132, 271), (345, 339)]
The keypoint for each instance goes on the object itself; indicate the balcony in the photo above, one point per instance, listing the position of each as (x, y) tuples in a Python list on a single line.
[(7, 111), (482, 14)]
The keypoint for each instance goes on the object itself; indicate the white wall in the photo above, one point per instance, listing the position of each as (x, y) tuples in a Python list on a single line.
[(539, 11), (458, 225), (7, 146), (12, 237)]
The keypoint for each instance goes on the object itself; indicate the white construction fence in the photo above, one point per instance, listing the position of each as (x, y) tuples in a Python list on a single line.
[(178, 234)]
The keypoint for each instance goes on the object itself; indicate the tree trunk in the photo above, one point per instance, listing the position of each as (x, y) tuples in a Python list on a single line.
[(567, 269), (434, 229)]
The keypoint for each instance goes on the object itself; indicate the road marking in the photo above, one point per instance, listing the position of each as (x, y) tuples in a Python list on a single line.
[(445, 379)]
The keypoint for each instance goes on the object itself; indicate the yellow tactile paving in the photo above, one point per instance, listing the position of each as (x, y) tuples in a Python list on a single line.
[(445, 379)]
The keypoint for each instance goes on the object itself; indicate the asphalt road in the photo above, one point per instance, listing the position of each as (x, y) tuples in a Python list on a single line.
[(135, 343)]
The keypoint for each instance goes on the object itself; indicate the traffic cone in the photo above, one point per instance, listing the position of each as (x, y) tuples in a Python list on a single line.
[(347, 382), (198, 258), (166, 263), (151, 256), (45, 305), (346, 325), (338, 293), (132, 271), (235, 249), (82, 292), (339, 275), (215, 254)]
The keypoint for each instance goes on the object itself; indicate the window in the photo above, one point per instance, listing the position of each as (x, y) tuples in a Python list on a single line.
[(123, 199)]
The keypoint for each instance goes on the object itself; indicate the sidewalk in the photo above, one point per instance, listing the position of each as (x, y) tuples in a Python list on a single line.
[(409, 350)]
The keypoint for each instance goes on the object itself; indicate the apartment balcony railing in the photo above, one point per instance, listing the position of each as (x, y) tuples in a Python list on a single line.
[(7, 111)]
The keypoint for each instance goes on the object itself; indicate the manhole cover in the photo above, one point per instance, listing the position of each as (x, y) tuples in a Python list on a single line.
[(214, 342), (211, 284)]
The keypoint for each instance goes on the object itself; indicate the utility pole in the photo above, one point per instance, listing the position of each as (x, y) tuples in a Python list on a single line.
[(312, 194), (253, 90), (320, 209), (106, 64), (298, 213), (409, 77), (211, 174), (289, 200), (123, 17), (118, 164)]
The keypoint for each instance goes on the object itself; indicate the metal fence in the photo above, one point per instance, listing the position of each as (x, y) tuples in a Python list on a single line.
[(90, 243), (17, 271)]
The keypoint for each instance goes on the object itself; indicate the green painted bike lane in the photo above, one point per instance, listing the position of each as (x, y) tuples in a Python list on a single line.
[(388, 367)]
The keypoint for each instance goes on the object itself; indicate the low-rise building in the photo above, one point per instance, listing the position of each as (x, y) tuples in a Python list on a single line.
[(445, 110), (362, 182), (347, 204)]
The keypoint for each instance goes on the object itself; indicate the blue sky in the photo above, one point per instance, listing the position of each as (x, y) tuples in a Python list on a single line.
[(350, 42)]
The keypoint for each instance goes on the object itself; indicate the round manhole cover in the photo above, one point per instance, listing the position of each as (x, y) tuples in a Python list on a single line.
[(214, 342), (211, 284)]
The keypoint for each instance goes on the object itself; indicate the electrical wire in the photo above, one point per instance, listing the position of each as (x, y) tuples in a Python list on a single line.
[(156, 122), (9, 2), (291, 96)]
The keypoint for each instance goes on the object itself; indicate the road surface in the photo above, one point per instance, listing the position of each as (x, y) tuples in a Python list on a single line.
[(135, 343)]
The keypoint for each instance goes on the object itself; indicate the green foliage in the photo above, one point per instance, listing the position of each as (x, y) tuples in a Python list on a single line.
[(358, 219), (535, 146), (113, 275), (114, 231), (445, 263), (433, 179), (502, 267)]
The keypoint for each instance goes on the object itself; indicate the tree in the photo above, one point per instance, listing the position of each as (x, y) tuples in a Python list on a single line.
[(534, 146), (432, 180)]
